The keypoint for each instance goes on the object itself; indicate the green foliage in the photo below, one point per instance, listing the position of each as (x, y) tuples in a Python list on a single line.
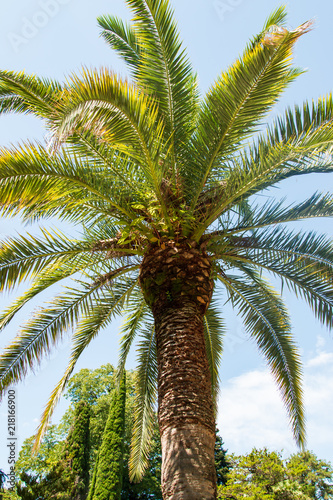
[(77, 452), (96, 388), (109, 477), (149, 487), (54, 484), (314, 476), (264, 475), (90, 385), (48, 455), (92, 485), (61, 467), (9, 495), (2, 479), (222, 463)]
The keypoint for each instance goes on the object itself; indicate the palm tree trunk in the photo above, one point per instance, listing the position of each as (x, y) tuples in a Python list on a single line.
[(185, 413), (177, 282)]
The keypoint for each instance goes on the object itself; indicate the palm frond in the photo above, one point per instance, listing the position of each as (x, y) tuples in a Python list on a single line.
[(28, 94), (304, 261), (116, 167), (240, 97), (48, 325), (41, 333), (118, 114), (122, 38), (164, 70), (277, 17), (35, 183), (271, 213), (299, 143), (27, 255), (51, 275), (267, 321), (112, 109), (267, 165), (135, 314), (275, 22), (146, 392), (214, 330), (104, 309)]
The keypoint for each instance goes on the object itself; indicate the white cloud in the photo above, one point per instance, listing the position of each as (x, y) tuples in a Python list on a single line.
[(252, 413), (323, 358)]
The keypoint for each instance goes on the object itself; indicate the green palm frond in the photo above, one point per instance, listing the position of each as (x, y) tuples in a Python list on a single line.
[(27, 256), (275, 22), (122, 38), (164, 69), (35, 183), (303, 260), (48, 325), (271, 213), (116, 167), (52, 402), (239, 99), (247, 175), (112, 109), (41, 333), (301, 121), (72, 261), (277, 17), (214, 330), (135, 314), (50, 276), (146, 393), (28, 94), (118, 114), (267, 321), (299, 143), (103, 310)]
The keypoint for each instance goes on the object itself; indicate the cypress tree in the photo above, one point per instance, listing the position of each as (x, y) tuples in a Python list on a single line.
[(93, 481), (77, 453), (108, 479), (222, 465)]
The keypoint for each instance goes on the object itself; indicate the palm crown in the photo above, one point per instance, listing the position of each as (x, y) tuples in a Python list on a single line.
[(140, 163)]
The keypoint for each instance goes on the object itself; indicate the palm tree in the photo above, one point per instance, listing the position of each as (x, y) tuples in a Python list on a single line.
[(160, 186)]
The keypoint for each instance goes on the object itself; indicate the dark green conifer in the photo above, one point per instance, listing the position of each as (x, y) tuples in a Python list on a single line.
[(221, 463), (77, 453), (108, 479)]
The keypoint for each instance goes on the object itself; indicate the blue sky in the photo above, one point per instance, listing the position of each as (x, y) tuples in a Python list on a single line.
[(55, 37)]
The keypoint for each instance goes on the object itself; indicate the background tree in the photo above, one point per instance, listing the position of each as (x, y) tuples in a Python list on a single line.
[(49, 453), (60, 471), (149, 488), (163, 188), (262, 474), (77, 453), (253, 476), (314, 476), (222, 463), (9, 495), (2, 479), (52, 485), (95, 387), (108, 481)]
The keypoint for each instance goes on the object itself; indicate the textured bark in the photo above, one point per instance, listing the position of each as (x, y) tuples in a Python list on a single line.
[(188, 472), (176, 280)]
